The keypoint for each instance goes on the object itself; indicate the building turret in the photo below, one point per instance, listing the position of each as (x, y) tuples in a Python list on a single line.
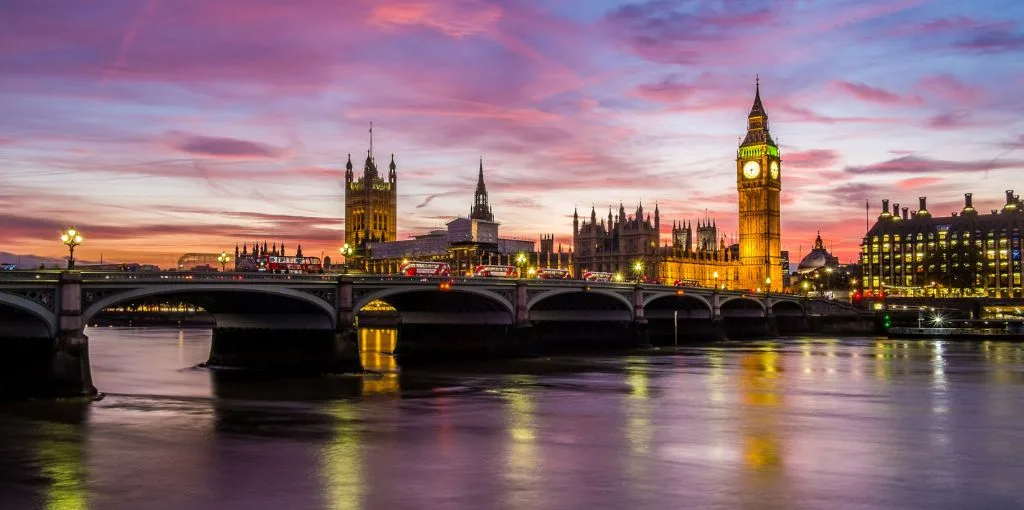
[(298, 251), (348, 170), (392, 174), (575, 221)]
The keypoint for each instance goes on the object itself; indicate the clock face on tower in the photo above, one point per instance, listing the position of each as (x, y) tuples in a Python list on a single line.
[(751, 169), (773, 170)]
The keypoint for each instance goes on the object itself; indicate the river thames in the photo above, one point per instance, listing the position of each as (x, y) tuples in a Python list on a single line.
[(794, 423)]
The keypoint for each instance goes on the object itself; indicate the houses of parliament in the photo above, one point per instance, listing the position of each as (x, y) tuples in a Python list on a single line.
[(615, 243), (756, 262)]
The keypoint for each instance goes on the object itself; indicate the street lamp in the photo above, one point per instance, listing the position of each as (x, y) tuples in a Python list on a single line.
[(806, 287), (223, 258), (767, 285), (521, 262), (346, 252), (638, 269), (715, 276), (72, 238)]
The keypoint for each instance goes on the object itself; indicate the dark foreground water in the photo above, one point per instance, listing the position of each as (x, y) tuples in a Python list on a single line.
[(788, 424)]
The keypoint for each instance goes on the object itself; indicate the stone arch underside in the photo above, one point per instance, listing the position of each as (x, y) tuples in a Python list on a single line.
[(435, 306), (581, 306), (24, 318), (687, 306), (741, 307), (234, 307), (787, 309)]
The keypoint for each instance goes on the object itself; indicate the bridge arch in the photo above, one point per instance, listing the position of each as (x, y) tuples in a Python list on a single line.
[(580, 304), (665, 305), (788, 308), (742, 306), (216, 299), (601, 292), (456, 305), (26, 317)]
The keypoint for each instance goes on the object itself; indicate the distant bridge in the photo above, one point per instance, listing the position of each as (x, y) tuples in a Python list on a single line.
[(260, 317)]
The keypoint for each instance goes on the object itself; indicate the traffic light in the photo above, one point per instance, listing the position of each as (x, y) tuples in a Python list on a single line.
[(887, 321)]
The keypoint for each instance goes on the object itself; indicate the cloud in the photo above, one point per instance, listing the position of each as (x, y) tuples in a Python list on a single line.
[(918, 182), (949, 88), (874, 94), (456, 18), (917, 164), (952, 120), (813, 159), (223, 147)]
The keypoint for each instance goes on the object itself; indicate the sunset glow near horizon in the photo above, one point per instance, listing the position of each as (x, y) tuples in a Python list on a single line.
[(159, 128)]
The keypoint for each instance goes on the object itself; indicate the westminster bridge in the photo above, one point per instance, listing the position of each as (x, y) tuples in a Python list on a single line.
[(308, 322)]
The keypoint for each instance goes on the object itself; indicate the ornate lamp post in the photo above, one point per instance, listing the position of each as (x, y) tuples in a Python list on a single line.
[(71, 238), (223, 258), (638, 270), (715, 276), (346, 251), (767, 285), (521, 262)]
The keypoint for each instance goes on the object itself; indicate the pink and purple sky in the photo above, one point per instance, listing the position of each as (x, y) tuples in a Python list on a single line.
[(164, 127)]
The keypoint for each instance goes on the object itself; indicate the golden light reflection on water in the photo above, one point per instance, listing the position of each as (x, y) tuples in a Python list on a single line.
[(759, 380), (61, 458), (376, 348), (521, 459), (341, 460), (639, 431)]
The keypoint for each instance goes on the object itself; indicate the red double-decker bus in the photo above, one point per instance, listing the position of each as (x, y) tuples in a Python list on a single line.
[(425, 268), (548, 273), (596, 276), (289, 265), (496, 271), (686, 283)]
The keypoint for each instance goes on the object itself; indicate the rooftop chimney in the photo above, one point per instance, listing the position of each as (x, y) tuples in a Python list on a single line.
[(905, 213), (1009, 196), (968, 202), (923, 211), (896, 210), (885, 208)]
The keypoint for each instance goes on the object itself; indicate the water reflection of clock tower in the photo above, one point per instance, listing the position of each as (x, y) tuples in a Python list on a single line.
[(759, 182)]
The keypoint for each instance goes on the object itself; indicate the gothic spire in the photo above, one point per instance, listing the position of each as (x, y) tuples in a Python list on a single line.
[(481, 207), (758, 108), (757, 121)]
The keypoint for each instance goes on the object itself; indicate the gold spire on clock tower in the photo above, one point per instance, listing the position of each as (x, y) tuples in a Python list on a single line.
[(759, 183)]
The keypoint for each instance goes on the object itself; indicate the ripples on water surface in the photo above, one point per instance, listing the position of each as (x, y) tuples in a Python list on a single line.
[(788, 424)]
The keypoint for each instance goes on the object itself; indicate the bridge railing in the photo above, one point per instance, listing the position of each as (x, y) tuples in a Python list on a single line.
[(29, 276), (205, 276)]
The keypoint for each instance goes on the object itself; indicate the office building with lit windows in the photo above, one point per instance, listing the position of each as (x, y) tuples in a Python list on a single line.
[(968, 253)]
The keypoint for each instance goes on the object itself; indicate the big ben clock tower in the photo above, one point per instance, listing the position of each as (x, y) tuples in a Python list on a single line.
[(759, 182)]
